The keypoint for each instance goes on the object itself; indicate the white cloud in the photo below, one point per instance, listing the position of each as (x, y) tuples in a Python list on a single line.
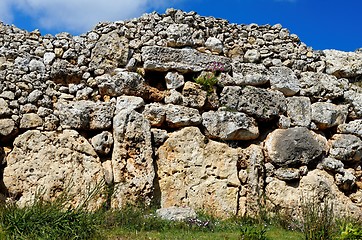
[(78, 15)]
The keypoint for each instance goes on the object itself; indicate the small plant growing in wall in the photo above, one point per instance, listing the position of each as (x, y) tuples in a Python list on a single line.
[(209, 78)]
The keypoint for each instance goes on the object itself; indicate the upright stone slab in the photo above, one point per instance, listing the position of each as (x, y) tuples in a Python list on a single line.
[(132, 161), (47, 164), (197, 173)]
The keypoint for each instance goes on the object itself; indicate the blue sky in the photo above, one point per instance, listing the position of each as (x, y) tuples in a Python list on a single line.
[(321, 24)]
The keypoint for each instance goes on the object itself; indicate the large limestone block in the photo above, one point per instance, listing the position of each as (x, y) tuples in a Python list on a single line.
[(327, 115), (317, 187), (322, 86), (132, 161), (84, 114), (343, 64), (197, 173), (49, 163), (260, 103), (193, 95), (226, 125), (110, 52), (345, 147), (127, 83), (299, 111), (294, 146), (182, 60), (173, 116), (247, 74), (284, 80)]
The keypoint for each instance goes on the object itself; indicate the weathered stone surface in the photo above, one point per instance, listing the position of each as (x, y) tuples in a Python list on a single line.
[(51, 163), (193, 95), (188, 168), (246, 74), (30, 120), (214, 45), (4, 108), (179, 35), (287, 174), (284, 80), (159, 136), (176, 213), (355, 98), (327, 115), (322, 86), (7, 126), (84, 114), (182, 60), (345, 147), (102, 143), (110, 52), (263, 104), (132, 160), (299, 111), (252, 191), (316, 187), (353, 127), (127, 83), (346, 180), (227, 125), (252, 56), (343, 64), (128, 103), (332, 164), (294, 146), (174, 80), (173, 116)]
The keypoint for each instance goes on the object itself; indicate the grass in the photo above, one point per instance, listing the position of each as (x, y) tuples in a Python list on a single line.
[(45, 220)]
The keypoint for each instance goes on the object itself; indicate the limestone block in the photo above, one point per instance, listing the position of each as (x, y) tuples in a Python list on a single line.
[(214, 45), (322, 86), (252, 56), (159, 136), (193, 95), (353, 127), (246, 74), (111, 51), (7, 127), (190, 167), (227, 125), (332, 164), (132, 160), (299, 111), (343, 64), (84, 114), (355, 98), (327, 115), (102, 143), (345, 147), (128, 103), (174, 80), (49, 163), (260, 103), (287, 174), (176, 213), (316, 187), (181, 60), (173, 116), (4, 108), (179, 35), (284, 80), (30, 120), (293, 146), (346, 180)]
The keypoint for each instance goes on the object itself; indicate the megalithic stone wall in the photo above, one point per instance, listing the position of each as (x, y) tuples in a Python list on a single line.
[(177, 109)]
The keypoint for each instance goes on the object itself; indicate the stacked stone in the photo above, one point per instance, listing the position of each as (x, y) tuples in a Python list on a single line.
[(115, 102)]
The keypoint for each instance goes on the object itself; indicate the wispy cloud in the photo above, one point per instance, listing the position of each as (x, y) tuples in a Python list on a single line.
[(76, 15)]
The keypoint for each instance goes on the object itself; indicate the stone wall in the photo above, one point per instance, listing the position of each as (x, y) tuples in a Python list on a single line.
[(119, 105)]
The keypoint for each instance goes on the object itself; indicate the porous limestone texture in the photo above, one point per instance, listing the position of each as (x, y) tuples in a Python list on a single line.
[(180, 110)]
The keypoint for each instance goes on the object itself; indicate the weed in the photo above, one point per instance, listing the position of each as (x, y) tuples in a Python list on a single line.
[(317, 219), (350, 230), (207, 81), (253, 232)]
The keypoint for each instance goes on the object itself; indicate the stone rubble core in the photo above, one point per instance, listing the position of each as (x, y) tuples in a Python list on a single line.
[(181, 111)]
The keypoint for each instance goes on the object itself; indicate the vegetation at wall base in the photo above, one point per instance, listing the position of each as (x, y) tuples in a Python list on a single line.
[(50, 220)]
